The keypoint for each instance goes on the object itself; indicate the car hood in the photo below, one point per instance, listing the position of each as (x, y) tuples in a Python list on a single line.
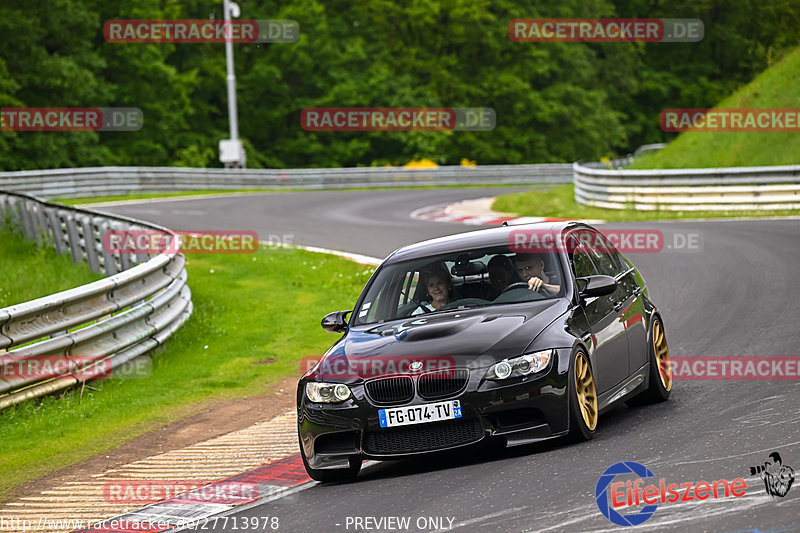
[(470, 337)]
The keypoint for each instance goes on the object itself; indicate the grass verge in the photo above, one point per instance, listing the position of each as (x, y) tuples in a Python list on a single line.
[(205, 192), (51, 273), (559, 202), (248, 309), (147, 196)]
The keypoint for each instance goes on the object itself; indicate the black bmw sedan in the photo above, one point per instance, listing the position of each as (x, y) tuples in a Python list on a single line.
[(517, 333)]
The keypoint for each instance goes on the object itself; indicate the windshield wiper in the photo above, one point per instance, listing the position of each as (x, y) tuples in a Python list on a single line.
[(461, 307)]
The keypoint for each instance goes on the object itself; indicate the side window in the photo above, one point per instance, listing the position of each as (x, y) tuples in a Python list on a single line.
[(605, 263), (625, 265), (582, 264), (620, 265), (387, 301), (370, 309), (603, 253)]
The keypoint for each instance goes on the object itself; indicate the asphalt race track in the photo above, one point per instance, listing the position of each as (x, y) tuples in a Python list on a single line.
[(737, 295)]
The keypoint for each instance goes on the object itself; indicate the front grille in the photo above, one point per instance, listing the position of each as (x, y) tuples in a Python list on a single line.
[(442, 383), (423, 437), (390, 390)]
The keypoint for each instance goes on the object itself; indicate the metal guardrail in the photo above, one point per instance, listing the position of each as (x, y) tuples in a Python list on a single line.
[(109, 181), (93, 328), (698, 189)]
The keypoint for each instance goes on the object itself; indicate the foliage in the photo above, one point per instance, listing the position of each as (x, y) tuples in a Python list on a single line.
[(554, 101)]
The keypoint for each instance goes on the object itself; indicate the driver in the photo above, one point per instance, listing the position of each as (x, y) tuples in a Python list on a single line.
[(530, 268), (438, 284)]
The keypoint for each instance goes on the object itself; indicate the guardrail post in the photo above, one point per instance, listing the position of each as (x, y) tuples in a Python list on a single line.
[(89, 245), (14, 213), (109, 263), (3, 214), (58, 231), (41, 226), (74, 239), (27, 223), (125, 259)]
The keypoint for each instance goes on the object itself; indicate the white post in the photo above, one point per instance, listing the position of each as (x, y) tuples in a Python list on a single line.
[(232, 145)]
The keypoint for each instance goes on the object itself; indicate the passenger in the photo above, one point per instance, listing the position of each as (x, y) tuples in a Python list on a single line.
[(439, 285), (530, 268), (501, 274)]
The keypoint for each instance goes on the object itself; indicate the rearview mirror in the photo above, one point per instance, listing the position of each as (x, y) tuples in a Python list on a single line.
[(598, 285), (336, 322)]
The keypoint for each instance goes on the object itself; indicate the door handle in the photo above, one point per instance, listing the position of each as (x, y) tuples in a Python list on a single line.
[(618, 306)]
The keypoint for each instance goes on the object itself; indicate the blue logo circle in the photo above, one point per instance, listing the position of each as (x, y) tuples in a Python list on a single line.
[(604, 503)]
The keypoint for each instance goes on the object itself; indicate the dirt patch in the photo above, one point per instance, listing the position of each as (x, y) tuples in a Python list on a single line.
[(215, 419)]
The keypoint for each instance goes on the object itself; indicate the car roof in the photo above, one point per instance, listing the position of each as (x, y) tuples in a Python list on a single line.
[(484, 238)]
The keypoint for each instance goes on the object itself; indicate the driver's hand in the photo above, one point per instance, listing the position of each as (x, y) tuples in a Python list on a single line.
[(535, 283)]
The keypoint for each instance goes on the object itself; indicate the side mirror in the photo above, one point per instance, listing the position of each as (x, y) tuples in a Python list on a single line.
[(596, 286), (336, 322)]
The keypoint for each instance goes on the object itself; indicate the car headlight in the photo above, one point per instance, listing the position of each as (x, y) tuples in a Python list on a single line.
[(327, 392), (519, 366)]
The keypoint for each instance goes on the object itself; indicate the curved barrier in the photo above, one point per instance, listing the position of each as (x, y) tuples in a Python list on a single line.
[(698, 189), (108, 181), (93, 329)]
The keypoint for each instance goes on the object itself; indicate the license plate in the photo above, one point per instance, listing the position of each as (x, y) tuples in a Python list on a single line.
[(419, 414)]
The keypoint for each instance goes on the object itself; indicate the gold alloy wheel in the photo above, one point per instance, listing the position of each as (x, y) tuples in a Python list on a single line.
[(661, 350), (585, 390)]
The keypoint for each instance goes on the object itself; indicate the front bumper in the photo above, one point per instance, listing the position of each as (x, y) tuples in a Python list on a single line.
[(520, 411)]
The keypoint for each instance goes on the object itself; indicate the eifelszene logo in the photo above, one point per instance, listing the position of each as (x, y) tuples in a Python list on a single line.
[(777, 477), (612, 495)]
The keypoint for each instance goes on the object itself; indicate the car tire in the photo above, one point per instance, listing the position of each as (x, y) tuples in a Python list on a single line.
[(660, 376), (582, 390), (330, 475)]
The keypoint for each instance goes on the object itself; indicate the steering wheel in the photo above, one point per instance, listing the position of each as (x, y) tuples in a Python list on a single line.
[(517, 285)]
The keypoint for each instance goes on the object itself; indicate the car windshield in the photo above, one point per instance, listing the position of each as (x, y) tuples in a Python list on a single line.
[(459, 280)]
